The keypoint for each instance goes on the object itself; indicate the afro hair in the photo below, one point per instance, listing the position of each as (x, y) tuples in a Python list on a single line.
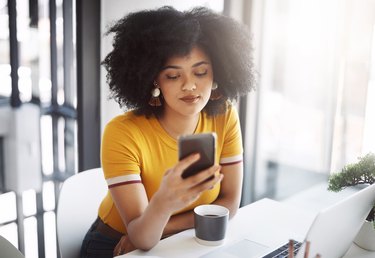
[(143, 41)]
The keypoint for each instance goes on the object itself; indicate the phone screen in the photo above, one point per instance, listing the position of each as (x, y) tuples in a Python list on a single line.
[(204, 144)]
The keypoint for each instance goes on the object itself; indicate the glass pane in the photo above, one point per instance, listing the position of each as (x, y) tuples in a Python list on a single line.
[(60, 58), (29, 202), (5, 89), (48, 196), (31, 237), (314, 77), (9, 208), (368, 134), (50, 234), (44, 55), (27, 50), (46, 144), (9, 231)]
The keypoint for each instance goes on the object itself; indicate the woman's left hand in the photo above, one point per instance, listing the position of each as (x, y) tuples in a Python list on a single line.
[(124, 246)]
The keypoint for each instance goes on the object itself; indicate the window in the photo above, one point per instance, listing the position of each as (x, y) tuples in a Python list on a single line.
[(45, 58), (311, 113)]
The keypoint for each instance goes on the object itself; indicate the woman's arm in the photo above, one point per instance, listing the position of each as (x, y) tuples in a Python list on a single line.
[(229, 196), (178, 223), (231, 187), (145, 220)]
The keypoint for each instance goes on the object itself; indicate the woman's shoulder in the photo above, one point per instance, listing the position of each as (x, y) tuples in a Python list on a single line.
[(128, 121), (229, 114)]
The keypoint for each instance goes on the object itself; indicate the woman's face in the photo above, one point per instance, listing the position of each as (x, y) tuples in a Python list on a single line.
[(186, 82)]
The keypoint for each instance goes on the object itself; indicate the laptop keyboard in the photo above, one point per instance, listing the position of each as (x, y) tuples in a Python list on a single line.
[(282, 252)]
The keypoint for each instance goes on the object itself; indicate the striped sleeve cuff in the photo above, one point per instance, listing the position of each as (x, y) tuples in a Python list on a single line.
[(231, 160), (123, 180)]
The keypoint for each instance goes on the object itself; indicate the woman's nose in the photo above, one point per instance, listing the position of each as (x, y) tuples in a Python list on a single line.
[(189, 85)]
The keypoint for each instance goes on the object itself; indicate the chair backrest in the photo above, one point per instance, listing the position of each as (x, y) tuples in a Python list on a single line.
[(9, 250), (78, 204)]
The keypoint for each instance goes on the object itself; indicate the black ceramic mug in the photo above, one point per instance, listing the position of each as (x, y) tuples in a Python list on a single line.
[(210, 223)]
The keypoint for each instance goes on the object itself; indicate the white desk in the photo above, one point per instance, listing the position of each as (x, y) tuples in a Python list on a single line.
[(262, 219)]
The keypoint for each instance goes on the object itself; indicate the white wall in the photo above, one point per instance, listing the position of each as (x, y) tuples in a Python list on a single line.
[(113, 10)]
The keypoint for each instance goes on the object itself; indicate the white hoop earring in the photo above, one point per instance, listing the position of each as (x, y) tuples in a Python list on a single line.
[(215, 92), (155, 94)]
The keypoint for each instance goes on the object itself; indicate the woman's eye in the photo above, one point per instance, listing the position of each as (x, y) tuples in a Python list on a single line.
[(200, 74), (173, 77)]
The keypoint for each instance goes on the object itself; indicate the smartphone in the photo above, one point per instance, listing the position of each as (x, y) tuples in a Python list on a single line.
[(204, 144)]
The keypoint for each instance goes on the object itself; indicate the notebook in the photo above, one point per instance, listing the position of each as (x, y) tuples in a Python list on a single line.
[(331, 233)]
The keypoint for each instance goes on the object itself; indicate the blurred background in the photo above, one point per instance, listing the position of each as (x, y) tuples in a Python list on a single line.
[(312, 112)]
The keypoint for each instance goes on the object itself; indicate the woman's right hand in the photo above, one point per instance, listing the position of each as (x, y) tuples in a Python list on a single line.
[(145, 220), (176, 192), (123, 246)]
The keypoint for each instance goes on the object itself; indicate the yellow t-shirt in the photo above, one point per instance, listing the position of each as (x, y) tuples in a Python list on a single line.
[(136, 149)]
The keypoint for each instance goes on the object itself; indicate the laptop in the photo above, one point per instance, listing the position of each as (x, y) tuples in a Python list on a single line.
[(331, 233)]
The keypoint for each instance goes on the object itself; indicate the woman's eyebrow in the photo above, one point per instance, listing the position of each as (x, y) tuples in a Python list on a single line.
[(200, 63), (179, 67), (171, 67)]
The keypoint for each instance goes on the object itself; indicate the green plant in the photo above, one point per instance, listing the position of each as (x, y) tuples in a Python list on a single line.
[(361, 172)]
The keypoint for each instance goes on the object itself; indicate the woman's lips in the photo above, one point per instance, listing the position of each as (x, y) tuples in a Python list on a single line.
[(190, 98)]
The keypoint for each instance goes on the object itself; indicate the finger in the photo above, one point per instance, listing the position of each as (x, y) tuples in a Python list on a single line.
[(204, 175), (119, 247), (168, 172), (186, 162), (206, 185), (221, 176), (117, 250)]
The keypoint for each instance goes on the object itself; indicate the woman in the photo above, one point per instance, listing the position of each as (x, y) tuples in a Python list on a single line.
[(176, 72)]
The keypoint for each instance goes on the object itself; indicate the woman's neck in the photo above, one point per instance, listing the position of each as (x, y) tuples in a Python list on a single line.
[(179, 125)]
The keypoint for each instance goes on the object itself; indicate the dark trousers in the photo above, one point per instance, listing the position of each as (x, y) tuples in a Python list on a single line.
[(97, 244)]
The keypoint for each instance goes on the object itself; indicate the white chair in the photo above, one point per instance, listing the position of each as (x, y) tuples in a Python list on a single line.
[(78, 204), (7, 249)]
